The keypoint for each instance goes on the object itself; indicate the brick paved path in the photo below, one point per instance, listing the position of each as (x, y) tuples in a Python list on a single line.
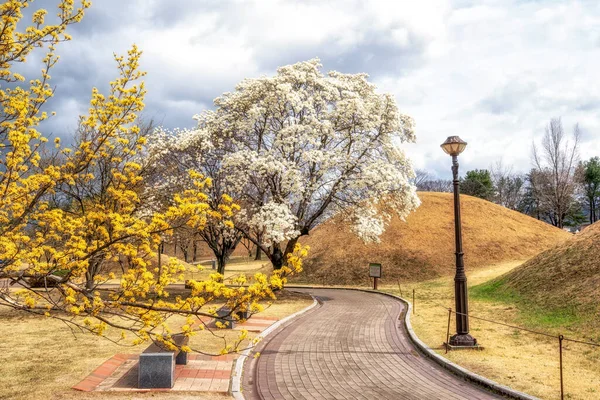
[(353, 347)]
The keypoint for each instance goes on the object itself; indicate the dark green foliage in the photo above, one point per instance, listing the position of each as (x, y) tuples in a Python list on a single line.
[(589, 179), (478, 183)]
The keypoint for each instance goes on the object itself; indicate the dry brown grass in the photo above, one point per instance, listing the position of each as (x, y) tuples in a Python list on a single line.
[(201, 271), (521, 360), (423, 246), (42, 358), (203, 251), (68, 395), (235, 267)]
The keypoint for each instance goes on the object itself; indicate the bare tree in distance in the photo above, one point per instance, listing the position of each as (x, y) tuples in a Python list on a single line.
[(509, 186), (435, 185), (530, 203), (555, 162), (421, 176), (425, 182)]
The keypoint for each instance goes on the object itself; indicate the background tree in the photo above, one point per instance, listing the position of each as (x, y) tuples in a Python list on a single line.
[(425, 182), (181, 151), (478, 183), (588, 177), (555, 162), (303, 146), (509, 187), (530, 203), (435, 185), (90, 193), (421, 176)]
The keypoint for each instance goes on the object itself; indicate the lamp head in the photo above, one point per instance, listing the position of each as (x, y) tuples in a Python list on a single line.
[(453, 145)]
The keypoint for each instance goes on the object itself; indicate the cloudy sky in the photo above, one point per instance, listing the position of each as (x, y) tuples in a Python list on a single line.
[(491, 71)]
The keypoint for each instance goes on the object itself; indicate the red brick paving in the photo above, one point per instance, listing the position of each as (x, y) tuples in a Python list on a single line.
[(256, 324), (203, 373), (101, 373)]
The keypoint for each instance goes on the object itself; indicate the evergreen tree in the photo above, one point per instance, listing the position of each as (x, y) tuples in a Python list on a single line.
[(478, 183)]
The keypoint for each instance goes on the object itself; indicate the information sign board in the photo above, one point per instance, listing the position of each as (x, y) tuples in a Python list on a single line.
[(375, 270)]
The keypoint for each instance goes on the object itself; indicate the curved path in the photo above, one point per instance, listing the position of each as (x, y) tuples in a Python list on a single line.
[(352, 347)]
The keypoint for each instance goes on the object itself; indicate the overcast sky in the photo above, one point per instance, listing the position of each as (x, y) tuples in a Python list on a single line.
[(491, 71)]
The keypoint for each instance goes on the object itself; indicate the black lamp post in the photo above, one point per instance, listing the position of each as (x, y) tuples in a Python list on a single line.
[(454, 146)]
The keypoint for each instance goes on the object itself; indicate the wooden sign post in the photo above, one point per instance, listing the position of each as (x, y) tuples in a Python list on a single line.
[(375, 273)]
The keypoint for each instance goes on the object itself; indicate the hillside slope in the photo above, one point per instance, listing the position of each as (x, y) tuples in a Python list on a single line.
[(565, 276), (422, 247)]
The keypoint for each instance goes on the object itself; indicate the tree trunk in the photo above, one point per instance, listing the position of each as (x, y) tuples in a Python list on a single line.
[(89, 280), (160, 250), (221, 265), (289, 248), (95, 263), (258, 250), (277, 258), (258, 254), (195, 252)]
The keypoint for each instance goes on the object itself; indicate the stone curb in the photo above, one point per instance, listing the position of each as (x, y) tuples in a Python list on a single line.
[(445, 363), (236, 379)]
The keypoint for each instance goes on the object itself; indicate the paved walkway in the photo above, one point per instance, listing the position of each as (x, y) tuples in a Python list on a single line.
[(353, 347)]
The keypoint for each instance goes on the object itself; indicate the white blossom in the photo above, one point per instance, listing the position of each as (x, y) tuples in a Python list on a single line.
[(276, 222), (368, 224)]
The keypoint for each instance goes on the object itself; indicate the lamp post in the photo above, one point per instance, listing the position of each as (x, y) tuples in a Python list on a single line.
[(454, 146)]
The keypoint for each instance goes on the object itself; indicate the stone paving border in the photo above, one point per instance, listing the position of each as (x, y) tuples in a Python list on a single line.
[(238, 368), (445, 363), (202, 373), (209, 379), (105, 370)]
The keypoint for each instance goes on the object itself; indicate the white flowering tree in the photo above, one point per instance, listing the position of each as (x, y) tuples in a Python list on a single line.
[(175, 154), (301, 146)]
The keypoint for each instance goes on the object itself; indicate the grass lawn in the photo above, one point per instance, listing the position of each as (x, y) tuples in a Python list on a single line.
[(202, 269), (521, 360), (235, 266), (41, 358)]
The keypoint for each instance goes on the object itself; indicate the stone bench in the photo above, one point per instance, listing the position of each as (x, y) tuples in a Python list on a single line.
[(157, 364), (224, 315)]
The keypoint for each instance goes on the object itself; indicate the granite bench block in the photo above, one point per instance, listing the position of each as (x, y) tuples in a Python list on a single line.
[(156, 370), (182, 358), (226, 317)]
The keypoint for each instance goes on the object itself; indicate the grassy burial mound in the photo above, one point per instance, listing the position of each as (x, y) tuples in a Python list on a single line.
[(422, 247), (565, 277)]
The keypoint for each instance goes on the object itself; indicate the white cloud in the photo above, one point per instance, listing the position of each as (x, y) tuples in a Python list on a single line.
[(492, 71), (509, 68)]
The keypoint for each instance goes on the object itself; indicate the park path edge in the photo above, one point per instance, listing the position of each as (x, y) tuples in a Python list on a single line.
[(238, 368), (428, 352)]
